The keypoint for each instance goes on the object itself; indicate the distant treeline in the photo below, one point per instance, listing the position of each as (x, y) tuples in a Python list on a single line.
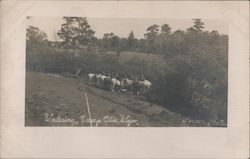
[(190, 76)]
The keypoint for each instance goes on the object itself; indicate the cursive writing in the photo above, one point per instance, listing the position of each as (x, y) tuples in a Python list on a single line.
[(107, 120)]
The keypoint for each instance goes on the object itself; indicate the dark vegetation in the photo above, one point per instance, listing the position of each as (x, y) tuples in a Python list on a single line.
[(187, 68)]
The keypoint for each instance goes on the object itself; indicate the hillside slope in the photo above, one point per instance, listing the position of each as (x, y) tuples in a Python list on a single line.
[(54, 100), (147, 57)]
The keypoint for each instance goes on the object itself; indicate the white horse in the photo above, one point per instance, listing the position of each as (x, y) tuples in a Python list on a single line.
[(115, 83), (147, 84), (98, 79), (144, 85), (91, 77)]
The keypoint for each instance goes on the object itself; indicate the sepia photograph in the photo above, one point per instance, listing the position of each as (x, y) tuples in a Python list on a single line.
[(126, 72), (124, 79)]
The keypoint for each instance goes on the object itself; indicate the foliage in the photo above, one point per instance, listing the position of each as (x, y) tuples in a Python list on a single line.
[(198, 25), (165, 29), (75, 31), (111, 42), (151, 36), (196, 84), (131, 41), (36, 40), (191, 77)]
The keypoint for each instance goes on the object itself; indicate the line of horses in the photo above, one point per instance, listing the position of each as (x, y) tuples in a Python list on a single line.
[(107, 82)]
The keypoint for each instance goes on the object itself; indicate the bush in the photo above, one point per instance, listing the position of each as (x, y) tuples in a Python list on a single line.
[(196, 83)]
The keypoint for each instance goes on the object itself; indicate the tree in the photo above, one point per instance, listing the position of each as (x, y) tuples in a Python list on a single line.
[(176, 43), (165, 29), (65, 32), (75, 31), (215, 33), (36, 39), (115, 43), (36, 47), (34, 33), (164, 37), (107, 39), (152, 32), (151, 35), (111, 42), (131, 40), (198, 25)]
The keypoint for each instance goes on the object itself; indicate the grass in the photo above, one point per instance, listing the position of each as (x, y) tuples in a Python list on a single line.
[(60, 96), (146, 57)]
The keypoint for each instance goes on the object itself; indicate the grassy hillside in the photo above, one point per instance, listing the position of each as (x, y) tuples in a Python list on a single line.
[(147, 57), (60, 96)]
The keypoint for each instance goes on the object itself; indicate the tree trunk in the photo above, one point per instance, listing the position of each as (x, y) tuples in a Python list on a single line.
[(78, 69)]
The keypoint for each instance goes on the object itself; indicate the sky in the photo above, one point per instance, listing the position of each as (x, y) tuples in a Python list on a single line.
[(123, 26)]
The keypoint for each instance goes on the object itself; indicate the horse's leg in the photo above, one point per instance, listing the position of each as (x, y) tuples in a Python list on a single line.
[(95, 83), (113, 87), (99, 84)]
